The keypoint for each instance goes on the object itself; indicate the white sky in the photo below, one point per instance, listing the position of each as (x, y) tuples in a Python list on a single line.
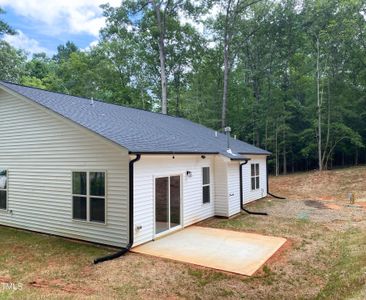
[(62, 18), (75, 16)]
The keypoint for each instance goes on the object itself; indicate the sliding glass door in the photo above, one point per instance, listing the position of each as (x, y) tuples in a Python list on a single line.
[(167, 203)]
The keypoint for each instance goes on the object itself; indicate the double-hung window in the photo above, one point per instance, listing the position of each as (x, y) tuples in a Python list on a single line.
[(255, 176), (88, 196), (206, 185), (3, 189)]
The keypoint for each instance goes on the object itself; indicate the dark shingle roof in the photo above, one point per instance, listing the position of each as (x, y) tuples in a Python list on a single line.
[(137, 130)]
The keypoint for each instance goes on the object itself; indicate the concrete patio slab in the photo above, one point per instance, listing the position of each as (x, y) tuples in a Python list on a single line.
[(232, 251)]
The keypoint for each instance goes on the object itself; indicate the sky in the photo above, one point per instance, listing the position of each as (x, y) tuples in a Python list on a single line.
[(42, 25)]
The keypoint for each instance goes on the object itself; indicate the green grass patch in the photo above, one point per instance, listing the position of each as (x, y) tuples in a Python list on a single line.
[(22, 252), (204, 277), (347, 277)]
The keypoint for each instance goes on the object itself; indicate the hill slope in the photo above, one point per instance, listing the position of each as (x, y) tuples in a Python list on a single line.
[(327, 185)]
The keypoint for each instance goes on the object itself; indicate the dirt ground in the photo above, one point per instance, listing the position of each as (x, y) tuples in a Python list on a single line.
[(332, 185), (324, 258)]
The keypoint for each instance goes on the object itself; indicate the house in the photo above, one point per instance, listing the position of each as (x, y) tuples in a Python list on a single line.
[(105, 173)]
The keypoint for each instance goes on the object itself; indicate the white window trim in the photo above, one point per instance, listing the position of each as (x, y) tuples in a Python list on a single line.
[(208, 184), (88, 196), (6, 209), (255, 176)]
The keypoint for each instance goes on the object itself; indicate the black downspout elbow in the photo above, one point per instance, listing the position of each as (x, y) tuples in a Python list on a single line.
[(131, 212), (241, 193)]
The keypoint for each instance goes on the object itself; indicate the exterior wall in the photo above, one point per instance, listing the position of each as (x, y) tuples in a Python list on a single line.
[(40, 150), (221, 187), (193, 209), (248, 194), (233, 188), (227, 201)]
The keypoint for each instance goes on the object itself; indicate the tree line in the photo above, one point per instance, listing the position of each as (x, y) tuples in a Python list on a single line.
[(287, 76)]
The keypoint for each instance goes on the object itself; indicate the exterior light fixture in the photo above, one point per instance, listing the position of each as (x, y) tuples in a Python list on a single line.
[(189, 174)]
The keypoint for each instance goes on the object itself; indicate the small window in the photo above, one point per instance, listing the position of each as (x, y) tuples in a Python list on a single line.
[(88, 198), (3, 189), (255, 176), (206, 185)]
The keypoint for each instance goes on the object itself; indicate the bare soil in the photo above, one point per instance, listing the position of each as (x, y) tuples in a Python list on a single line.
[(332, 185)]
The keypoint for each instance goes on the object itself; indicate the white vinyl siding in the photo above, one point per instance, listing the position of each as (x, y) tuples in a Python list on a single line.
[(234, 188), (227, 184), (249, 194), (193, 209), (40, 150), (227, 201), (221, 187)]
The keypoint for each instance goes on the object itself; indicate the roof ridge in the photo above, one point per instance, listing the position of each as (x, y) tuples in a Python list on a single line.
[(95, 100)]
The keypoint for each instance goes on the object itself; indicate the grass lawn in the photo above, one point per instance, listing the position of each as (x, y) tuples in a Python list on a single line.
[(324, 258)]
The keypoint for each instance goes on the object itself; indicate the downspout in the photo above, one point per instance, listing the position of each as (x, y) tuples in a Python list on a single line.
[(274, 196), (241, 193), (131, 212)]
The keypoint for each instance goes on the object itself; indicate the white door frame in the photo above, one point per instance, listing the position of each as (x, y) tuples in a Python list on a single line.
[(180, 226)]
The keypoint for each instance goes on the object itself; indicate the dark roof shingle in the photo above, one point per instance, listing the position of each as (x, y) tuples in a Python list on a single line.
[(137, 130)]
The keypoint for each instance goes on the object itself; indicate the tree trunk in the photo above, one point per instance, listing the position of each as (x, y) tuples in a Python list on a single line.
[(163, 78), (255, 111), (277, 155), (307, 165), (226, 76), (324, 162), (177, 104), (266, 135), (177, 92), (142, 98), (331, 161), (319, 105), (356, 157), (226, 65), (284, 153)]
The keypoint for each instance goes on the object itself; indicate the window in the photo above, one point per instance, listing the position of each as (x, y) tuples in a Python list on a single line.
[(88, 196), (206, 185), (3, 189), (255, 176)]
